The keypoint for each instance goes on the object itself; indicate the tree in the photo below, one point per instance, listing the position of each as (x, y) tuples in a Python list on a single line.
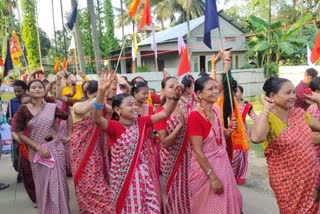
[(29, 32), (86, 36), (45, 43), (111, 43), (284, 44)]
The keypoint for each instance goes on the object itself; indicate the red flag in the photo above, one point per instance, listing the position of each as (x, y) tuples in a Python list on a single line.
[(57, 65), (146, 16), (133, 7), (184, 66), (1, 62), (316, 50), (65, 63)]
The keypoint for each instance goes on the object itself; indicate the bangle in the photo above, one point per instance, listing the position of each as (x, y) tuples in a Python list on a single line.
[(208, 173), (227, 61), (98, 106)]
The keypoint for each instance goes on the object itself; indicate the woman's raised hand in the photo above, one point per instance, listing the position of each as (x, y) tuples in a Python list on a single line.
[(216, 58), (268, 103), (313, 97), (178, 91), (105, 78)]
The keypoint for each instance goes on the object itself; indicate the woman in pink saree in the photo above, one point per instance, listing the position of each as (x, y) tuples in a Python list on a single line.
[(212, 183), (46, 151), (133, 178), (176, 152)]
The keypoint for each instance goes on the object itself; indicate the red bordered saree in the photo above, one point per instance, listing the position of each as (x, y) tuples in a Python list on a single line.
[(133, 177)]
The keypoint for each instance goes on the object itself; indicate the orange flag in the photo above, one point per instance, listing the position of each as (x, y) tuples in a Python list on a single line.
[(57, 65), (133, 7), (146, 16), (315, 54), (65, 63), (15, 49), (184, 66)]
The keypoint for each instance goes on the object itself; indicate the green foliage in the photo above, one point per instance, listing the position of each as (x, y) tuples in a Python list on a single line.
[(29, 32), (143, 68), (110, 42), (277, 42)]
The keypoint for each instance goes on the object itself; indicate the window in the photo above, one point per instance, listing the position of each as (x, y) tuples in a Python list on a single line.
[(195, 61), (202, 63)]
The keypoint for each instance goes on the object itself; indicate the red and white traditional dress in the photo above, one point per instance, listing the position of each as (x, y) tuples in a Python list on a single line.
[(203, 198), (175, 165), (133, 178)]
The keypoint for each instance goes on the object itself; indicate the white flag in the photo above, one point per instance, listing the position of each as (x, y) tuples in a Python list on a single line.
[(134, 48), (154, 42), (309, 57), (72, 43)]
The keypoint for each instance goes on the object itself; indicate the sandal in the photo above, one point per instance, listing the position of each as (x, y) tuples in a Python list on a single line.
[(3, 186)]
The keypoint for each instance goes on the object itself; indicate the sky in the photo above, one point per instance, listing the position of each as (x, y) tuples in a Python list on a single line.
[(46, 20)]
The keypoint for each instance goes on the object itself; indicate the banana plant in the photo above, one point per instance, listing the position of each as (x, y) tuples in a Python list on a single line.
[(283, 42)]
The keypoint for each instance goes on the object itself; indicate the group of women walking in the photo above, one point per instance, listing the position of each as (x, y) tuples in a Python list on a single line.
[(119, 145)]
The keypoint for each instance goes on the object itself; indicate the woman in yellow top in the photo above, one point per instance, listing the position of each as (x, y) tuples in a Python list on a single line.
[(292, 162)]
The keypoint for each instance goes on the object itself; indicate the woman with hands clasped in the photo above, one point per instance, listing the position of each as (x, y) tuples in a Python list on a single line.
[(46, 153), (132, 176), (287, 135), (212, 183), (176, 152)]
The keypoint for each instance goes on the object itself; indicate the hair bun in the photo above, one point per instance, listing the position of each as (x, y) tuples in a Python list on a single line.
[(267, 86)]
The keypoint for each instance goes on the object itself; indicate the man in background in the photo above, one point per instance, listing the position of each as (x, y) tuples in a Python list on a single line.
[(309, 74)]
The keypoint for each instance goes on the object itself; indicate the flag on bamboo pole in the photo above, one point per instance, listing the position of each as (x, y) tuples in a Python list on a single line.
[(146, 15), (57, 65), (184, 66), (135, 47), (72, 43), (154, 42), (309, 56), (8, 61), (315, 54), (73, 17), (133, 7), (1, 62), (65, 63), (211, 21), (15, 49)]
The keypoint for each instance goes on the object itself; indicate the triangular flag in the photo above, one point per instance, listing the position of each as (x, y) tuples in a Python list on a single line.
[(184, 66), (57, 65), (154, 42), (309, 56), (15, 49), (73, 17), (72, 43), (211, 21), (146, 16), (65, 63), (8, 61), (135, 47), (133, 7), (181, 43), (316, 49)]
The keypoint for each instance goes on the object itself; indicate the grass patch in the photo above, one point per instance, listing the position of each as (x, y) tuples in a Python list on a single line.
[(7, 96)]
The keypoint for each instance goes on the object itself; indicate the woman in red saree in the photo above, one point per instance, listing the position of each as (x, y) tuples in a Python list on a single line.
[(292, 162), (176, 152), (212, 183), (89, 158), (46, 152), (133, 178)]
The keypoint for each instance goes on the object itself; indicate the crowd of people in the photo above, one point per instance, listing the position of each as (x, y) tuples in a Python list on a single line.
[(120, 140)]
